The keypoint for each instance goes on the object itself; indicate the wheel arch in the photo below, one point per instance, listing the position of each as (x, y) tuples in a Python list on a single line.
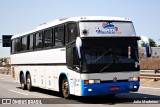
[(27, 72), (61, 77)]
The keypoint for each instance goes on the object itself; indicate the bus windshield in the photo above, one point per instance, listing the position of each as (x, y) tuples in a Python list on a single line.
[(113, 58)]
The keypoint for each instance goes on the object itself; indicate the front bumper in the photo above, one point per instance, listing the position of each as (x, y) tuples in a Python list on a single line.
[(104, 88)]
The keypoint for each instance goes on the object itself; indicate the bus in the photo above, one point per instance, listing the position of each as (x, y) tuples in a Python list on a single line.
[(81, 56)]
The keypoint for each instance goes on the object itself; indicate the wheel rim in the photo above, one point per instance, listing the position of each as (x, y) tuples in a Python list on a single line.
[(65, 89)]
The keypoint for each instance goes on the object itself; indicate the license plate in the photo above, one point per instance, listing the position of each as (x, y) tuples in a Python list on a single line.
[(114, 88)]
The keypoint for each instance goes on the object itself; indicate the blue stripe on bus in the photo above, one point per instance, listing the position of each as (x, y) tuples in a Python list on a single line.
[(104, 88)]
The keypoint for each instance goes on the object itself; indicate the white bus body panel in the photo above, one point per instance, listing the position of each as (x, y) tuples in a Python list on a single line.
[(40, 57), (47, 77)]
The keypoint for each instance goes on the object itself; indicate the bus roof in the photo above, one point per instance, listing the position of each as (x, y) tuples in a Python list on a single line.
[(76, 19)]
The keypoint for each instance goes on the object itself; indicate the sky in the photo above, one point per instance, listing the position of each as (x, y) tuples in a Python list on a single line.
[(18, 16)]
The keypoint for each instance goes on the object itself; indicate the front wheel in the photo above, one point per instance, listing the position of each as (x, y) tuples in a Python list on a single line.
[(65, 88), (29, 83)]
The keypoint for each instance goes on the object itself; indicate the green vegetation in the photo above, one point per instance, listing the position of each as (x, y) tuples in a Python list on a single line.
[(151, 41), (3, 59)]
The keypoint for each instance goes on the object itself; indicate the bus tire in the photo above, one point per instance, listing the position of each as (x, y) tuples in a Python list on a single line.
[(29, 82), (23, 86), (65, 88)]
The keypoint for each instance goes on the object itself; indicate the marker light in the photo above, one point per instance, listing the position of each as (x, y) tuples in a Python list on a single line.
[(86, 81), (134, 79), (97, 81), (91, 81)]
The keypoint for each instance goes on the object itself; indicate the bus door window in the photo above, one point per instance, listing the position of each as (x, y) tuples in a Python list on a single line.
[(72, 58)]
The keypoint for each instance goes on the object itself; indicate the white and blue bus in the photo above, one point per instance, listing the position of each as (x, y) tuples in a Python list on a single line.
[(82, 56)]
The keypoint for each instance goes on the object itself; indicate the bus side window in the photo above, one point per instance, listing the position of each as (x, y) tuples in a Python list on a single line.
[(71, 32), (13, 48), (18, 45), (30, 42), (38, 40), (24, 43), (15, 45), (48, 38), (59, 35)]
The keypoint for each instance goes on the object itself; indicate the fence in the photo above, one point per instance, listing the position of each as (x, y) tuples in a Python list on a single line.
[(150, 74)]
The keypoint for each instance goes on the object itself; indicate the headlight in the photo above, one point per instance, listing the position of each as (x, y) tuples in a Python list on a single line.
[(134, 79), (91, 81)]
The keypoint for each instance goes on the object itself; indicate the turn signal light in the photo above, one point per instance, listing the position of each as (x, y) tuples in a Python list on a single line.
[(91, 81)]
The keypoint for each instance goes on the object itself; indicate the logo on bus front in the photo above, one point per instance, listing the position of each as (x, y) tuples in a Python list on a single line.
[(108, 28), (115, 79), (108, 25)]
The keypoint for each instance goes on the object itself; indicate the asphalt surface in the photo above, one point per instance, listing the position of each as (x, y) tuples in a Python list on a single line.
[(146, 96)]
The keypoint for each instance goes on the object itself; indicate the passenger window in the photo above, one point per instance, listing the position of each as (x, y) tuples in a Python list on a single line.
[(18, 44), (13, 46), (48, 38), (30, 42), (38, 40), (59, 35), (24, 43)]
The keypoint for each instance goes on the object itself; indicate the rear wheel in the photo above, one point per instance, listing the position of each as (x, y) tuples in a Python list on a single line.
[(65, 88), (23, 86), (29, 83)]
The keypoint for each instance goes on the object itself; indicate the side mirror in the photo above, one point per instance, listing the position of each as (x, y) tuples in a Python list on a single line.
[(6, 39), (147, 46), (148, 50), (78, 47)]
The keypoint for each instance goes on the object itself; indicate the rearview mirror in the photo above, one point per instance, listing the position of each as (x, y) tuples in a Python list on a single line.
[(78, 46), (147, 46), (148, 50)]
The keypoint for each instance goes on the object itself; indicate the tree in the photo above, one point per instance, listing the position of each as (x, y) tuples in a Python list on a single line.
[(151, 41), (142, 44), (3, 59), (158, 45)]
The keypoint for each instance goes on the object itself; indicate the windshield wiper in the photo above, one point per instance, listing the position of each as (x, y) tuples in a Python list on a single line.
[(100, 56), (115, 57), (105, 67)]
